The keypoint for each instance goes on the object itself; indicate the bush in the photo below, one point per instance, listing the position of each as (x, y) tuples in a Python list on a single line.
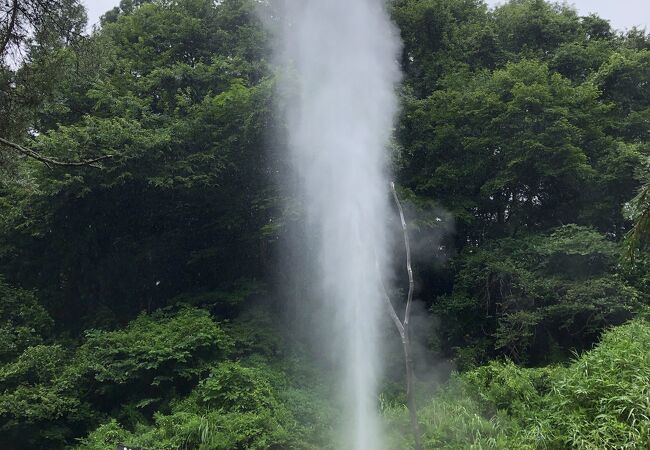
[(23, 321), (153, 356), (51, 395), (600, 401), (40, 406), (235, 407), (603, 399)]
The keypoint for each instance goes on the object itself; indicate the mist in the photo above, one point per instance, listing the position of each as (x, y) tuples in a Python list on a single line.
[(340, 73)]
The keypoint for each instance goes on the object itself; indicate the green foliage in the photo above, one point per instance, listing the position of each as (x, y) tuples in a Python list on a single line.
[(234, 407), (602, 400), (135, 307), (518, 148), (536, 297), (51, 394), (236, 388), (23, 321), (39, 404), (441, 37), (536, 27), (639, 211), (451, 420), (621, 78), (200, 431), (599, 401), (179, 94), (154, 349)]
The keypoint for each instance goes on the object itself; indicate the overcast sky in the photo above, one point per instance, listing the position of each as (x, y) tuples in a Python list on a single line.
[(96, 8), (621, 13)]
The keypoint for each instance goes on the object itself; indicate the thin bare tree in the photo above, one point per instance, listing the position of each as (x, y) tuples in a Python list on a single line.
[(403, 327)]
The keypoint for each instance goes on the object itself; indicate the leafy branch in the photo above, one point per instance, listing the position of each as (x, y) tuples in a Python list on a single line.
[(638, 237)]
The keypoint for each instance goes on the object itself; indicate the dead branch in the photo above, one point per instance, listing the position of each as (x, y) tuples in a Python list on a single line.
[(403, 327), (49, 162), (407, 245), (391, 309)]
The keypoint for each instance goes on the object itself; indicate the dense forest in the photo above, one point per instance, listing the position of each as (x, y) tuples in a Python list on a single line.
[(142, 298)]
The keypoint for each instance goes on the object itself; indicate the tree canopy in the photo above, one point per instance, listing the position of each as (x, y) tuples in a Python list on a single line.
[(142, 293)]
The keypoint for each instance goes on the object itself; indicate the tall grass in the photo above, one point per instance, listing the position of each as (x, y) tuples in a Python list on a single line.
[(599, 401)]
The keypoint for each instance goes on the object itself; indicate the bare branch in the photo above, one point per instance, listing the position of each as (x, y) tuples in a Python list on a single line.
[(403, 328), (49, 162), (391, 309), (407, 245)]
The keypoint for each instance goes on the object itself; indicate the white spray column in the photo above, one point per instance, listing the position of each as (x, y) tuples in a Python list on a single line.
[(343, 54)]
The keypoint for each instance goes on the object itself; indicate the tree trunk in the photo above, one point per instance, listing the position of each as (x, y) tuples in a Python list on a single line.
[(403, 329), (410, 393)]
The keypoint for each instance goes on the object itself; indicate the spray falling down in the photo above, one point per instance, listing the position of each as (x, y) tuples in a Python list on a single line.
[(343, 54)]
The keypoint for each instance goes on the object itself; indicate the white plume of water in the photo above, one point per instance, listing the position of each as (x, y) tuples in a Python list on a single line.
[(343, 54)]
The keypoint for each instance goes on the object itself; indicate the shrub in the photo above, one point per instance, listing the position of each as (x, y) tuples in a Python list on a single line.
[(600, 401)]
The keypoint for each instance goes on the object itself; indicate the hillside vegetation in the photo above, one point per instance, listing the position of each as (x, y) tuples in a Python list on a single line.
[(144, 298)]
